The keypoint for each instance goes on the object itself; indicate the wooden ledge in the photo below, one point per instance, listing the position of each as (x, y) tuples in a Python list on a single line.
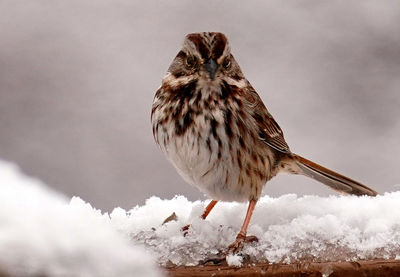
[(381, 268)]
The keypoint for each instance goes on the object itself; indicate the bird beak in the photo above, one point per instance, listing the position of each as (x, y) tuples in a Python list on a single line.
[(211, 66)]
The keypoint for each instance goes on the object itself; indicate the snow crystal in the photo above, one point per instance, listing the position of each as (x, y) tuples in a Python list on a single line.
[(41, 234), (234, 260), (289, 228)]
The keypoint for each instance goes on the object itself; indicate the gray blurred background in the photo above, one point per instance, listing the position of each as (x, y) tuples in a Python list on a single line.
[(77, 79)]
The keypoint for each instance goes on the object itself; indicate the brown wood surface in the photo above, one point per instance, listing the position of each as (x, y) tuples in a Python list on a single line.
[(381, 268), (374, 268)]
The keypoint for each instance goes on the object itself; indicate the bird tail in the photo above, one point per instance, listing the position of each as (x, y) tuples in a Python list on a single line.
[(330, 178)]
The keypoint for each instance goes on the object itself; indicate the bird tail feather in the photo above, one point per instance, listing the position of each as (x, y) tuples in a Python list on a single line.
[(332, 179)]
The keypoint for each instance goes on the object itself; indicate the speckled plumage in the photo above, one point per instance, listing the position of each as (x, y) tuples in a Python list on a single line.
[(209, 129), (214, 128)]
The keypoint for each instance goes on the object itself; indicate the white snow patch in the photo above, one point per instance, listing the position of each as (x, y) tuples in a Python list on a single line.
[(42, 234), (289, 228), (234, 260)]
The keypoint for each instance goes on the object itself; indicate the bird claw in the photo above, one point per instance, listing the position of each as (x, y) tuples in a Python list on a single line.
[(238, 244), (185, 230), (234, 248), (218, 259), (250, 239)]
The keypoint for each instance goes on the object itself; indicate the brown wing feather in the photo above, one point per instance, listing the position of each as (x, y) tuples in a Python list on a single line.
[(269, 130)]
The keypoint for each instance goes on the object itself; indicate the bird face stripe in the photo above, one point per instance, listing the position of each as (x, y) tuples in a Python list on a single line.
[(219, 46), (209, 45), (199, 44)]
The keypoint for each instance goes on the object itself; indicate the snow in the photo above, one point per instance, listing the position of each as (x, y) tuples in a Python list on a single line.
[(289, 228), (42, 232), (234, 260)]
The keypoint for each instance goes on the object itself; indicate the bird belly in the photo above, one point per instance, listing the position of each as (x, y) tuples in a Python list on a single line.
[(208, 161), (216, 177)]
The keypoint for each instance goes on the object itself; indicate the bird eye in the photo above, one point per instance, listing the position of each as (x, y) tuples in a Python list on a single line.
[(226, 63), (191, 61)]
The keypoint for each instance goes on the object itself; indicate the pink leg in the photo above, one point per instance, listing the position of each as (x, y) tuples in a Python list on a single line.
[(241, 237), (208, 209)]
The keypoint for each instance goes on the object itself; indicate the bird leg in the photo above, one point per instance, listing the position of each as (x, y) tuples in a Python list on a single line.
[(241, 238), (208, 209)]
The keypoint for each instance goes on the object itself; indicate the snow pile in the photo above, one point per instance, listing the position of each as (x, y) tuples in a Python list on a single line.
[(289, 229), (234, 260), (42, 234)]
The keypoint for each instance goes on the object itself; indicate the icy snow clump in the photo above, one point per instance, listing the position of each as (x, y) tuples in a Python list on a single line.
[(42, 234), (289, 228)]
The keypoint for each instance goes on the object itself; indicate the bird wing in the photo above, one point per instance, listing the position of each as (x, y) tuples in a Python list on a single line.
[(269, 130)]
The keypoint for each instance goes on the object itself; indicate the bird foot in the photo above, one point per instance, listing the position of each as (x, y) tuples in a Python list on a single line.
[(234, 248), (185, 230), (218, 259), (238, 244)]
